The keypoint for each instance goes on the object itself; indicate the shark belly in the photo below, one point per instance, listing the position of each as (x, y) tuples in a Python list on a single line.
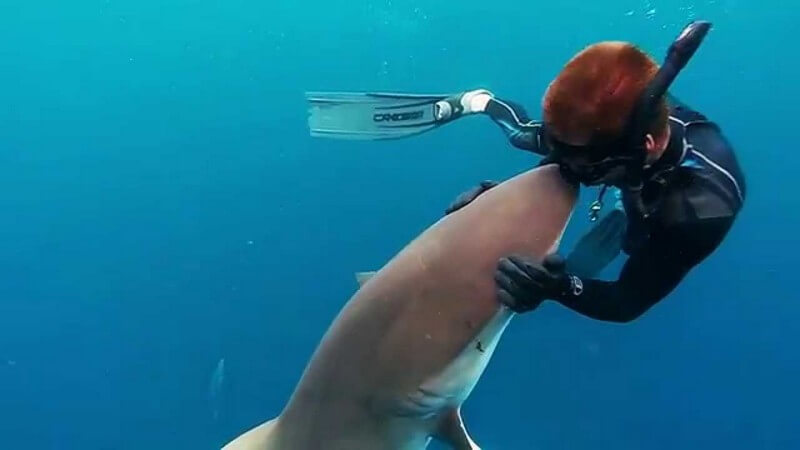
[(451, 387)]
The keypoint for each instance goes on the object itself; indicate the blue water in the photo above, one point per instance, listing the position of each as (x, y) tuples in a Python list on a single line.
[(163, 207)]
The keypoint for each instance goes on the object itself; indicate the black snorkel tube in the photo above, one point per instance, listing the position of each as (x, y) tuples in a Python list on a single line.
[(645, 111)]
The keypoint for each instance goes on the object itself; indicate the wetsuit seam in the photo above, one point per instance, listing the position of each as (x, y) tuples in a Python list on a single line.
[(685, 124)]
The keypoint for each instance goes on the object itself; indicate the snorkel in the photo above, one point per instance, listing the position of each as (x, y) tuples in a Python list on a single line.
[(644, 112)]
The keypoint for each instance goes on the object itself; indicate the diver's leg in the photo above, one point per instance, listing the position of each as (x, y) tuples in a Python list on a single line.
[(521, 131), (470, 102), (598, 247)]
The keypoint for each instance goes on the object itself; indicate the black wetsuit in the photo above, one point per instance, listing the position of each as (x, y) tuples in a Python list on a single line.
[(693, 193)]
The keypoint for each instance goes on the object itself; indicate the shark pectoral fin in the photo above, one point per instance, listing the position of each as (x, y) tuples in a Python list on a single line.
[(363, 277), (452, 432)]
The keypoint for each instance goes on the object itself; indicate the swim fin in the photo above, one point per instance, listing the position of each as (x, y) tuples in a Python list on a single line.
[(597, 248), (371, 115)]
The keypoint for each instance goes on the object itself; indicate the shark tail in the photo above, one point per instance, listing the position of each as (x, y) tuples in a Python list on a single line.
[(262, 437)]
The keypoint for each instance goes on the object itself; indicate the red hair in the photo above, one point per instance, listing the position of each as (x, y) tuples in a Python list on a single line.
[(594, 95)]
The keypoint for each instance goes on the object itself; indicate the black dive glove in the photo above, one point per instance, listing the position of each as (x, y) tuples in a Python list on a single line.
[(467, 197), (523, 285)]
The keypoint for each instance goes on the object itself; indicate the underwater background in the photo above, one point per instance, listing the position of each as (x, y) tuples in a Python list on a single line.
[(162, 208)]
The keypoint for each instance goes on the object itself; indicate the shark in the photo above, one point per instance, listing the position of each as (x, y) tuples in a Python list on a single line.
[(397, 363)]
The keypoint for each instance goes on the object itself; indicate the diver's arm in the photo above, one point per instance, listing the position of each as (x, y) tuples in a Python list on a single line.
[(650, 274)]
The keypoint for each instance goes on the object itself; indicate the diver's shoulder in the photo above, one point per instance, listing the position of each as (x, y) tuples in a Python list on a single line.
[(697, 207), (685, 115)]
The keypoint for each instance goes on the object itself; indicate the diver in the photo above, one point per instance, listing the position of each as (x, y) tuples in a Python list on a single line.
[(608, 121)]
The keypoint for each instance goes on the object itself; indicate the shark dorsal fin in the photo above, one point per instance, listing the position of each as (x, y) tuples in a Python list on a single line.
[(363, 277)]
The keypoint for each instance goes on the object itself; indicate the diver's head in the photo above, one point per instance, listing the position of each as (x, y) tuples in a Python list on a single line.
[(587, 109)]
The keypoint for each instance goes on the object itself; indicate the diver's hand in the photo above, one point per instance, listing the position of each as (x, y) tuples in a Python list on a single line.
[(467, 197), (522, 285), (470, 102)]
